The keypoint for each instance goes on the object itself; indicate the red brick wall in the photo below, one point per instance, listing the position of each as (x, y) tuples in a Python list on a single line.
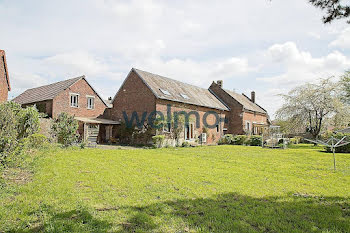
[(212, 136), (236, 117), (253, 118), (132, 96), (3, 81), (61, 103), (43, 106)]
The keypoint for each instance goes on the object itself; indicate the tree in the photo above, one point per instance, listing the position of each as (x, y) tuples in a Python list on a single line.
[(345, 87), (336, 9), (64, 128), (309, 105)]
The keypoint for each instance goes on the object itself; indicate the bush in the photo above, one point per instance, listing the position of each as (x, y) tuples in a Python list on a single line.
[(226, 139), (186, 144), (37, 141), (8, 130), (28, 122), (239, 140), (254, 140), (158, 140), (64, 128), (15, 123), (295, 140)]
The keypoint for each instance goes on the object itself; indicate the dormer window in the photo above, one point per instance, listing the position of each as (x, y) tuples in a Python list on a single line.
[(184, 96), (74, 100), (165, 92)]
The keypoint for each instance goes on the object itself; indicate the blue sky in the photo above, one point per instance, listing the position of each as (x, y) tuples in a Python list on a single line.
[(261, 45)]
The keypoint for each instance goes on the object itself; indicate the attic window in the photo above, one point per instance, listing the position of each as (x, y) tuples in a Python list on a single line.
[(184, 96), (165, 92)]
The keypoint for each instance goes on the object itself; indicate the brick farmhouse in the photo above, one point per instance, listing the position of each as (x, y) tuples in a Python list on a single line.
[(144, 93), (4, 78), (211, 113), (245, 115), (74, 96)]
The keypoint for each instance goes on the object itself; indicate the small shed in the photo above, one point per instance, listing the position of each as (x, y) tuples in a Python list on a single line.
[(95, 130)]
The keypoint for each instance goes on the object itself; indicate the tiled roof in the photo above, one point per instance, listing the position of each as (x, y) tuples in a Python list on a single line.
[(246, 102), (46, 92), (173, 90)]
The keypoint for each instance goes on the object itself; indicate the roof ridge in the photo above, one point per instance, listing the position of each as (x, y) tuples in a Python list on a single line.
[(170, 78), (79, 77)]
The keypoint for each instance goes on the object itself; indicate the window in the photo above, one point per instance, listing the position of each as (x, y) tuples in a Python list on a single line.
[(74, 100), (189, 131), (167, 127), (165, 92), (90, 102), (184, 96), (247, 127)]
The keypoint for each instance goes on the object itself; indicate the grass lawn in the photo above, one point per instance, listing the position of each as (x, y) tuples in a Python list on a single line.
[(203, 189)]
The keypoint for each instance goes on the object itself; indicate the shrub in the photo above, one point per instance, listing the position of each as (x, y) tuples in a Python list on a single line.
[(158, 140), (8, 130), (239, 140), (295, 140), (37, 140), (254, 140), (82, 145), (64, 128), (226, 139), (186, 144), (28, 122)]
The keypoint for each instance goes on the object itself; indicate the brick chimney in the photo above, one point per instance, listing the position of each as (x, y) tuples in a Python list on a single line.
[(220, 82), (252, 96)]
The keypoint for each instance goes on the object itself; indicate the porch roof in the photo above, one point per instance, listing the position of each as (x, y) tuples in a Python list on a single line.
[(97, 121)]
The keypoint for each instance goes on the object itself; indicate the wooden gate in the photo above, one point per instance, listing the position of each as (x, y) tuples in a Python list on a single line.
[(92, 133)]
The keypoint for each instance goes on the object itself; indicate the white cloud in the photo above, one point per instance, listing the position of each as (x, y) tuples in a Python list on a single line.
[(300, 66), (192, 41), (343, 39), (196, 72)]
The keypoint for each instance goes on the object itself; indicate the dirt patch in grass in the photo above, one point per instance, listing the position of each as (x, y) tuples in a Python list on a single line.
[(17, 176)]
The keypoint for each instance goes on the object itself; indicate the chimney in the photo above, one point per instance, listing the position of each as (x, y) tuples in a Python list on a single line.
[(252, 96), (220, 82)]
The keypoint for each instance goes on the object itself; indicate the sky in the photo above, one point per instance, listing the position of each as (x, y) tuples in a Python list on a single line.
[(266, 46)]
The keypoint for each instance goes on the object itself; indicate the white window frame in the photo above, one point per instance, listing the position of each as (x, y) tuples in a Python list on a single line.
[(70, 100), (247, 126), (88, 97)]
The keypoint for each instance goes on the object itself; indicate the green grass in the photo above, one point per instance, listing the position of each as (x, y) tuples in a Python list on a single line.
[(203, 189)]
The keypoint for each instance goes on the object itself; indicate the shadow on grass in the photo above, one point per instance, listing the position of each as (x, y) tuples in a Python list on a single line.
[(236, 213), (229, 212), (79, 220)]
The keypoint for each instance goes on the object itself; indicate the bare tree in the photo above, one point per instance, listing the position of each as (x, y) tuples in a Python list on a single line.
[(309, 105)]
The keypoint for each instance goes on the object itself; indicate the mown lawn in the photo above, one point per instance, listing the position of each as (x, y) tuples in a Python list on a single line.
[(204, 189)]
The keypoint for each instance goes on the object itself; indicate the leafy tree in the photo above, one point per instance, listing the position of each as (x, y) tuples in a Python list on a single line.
[(309, 105), (64, 128), (336, 9)]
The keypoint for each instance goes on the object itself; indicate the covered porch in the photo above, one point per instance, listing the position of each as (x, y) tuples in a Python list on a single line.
[(259, 128), (96, 130)]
